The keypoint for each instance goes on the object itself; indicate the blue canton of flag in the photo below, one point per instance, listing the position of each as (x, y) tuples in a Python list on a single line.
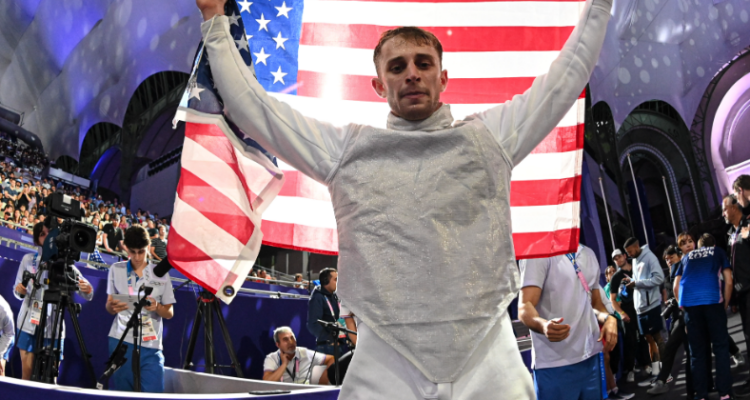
[(273, 28)]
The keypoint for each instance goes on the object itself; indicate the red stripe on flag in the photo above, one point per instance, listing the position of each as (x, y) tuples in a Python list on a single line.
[(211, 138), (300, 237), (561, 139), (460, 91), (298, 184), (453, 39), (184, 256), (215, 206), (545, 192), (545, 244)]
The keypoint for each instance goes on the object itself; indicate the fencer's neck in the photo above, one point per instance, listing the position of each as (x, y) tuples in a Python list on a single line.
[(440, 119)]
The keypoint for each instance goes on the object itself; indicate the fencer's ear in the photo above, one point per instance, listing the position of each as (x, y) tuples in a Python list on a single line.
[(443, 80), (377, 84)]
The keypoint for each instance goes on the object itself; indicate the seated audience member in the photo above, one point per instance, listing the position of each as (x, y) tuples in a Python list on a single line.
[(699, 290), (159, 245), (7, 333), (560, 303), (153, 233), (299, 282), (113, 236), (292, 363), (128, 277)]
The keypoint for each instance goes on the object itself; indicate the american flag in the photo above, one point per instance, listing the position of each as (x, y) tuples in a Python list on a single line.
[(215, 237), (316, 55)]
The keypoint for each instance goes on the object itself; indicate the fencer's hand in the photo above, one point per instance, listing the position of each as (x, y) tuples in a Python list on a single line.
[(21, 289), (153, 305), (745, 232), (555, 331), (116, 306), (625, 317), (209, 8), (84, 287), (609, 334)]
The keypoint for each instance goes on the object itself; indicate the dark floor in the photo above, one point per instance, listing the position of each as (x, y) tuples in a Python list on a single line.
[(677, 387)]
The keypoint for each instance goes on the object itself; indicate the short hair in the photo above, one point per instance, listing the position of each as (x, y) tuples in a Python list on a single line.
[(37, 231), (297, 276), (631, 241), (671, 251), (742, 182), (136, 237), (282, 329), (732, 200), (325, 276), (683, 236), (706, 240), (412, 34)]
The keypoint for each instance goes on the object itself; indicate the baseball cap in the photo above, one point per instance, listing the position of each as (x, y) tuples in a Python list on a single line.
[(616, 253)]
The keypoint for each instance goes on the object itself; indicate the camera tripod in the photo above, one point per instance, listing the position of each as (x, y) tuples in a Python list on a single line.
[(208, 306), (47, 357)]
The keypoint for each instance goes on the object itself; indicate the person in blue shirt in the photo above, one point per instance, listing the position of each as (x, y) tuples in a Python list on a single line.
[(698, 288)]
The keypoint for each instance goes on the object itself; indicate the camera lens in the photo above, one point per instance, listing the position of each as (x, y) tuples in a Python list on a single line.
[(81, 239)]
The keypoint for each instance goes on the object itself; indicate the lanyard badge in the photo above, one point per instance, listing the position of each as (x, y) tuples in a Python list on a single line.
[(340, 321), (579, 273)]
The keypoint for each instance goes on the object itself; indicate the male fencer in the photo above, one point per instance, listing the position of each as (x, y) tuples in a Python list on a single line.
[(414, 201)]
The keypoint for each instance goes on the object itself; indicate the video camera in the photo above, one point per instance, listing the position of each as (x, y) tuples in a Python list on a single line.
[(672, 309), (65, 241)]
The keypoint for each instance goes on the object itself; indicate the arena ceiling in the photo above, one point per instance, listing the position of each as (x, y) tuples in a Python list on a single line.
[(69, 64)]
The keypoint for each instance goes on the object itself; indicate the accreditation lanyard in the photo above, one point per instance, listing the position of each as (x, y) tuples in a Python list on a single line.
[(132, 280), (572, 258), (293, 374), (338, 321)]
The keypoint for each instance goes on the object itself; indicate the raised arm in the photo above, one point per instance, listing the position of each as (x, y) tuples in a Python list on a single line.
[(522, 123), (311, 146)]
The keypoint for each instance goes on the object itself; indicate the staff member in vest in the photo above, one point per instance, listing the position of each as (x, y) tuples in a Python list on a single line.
[(127, 277), (561, 304), (29, 314)]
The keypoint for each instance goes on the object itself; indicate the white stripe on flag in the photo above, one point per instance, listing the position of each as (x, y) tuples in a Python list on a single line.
[(205, 235), (214, 171), (301, 211), (545, 218), (468, 65), (502, 13), (342, 112), (544, 166)]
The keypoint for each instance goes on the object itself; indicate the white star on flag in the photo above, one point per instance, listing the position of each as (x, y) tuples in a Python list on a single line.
[(283, 10), (278, 76), (279, 41), (242, 44), (245, 5), (234, 19), (263, 23), (195, 92), (261, 57)]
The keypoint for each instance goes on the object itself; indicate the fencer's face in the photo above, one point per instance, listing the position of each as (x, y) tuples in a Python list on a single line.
[(287, 343), (411, 78)]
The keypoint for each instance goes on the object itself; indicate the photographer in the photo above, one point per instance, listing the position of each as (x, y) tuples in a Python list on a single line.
[(128, 277), (699, 291), (30, 312)]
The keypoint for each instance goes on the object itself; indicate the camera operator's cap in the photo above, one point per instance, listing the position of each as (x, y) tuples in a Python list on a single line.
[(616, 253)]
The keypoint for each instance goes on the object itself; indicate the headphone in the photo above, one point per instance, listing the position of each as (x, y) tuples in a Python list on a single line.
[(325, 276)]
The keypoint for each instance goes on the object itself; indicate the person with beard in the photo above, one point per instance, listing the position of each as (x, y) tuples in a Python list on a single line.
[(741, 187), (622, 302), (292, 363)]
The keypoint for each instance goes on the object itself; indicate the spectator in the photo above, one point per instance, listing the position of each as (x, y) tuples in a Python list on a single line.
[(698, 288), (298, 281), (648, 299), (113, 236), (151, 228), (7, 333), (739, 258), (741, 187), (324, 305), (622, 301), (293, 364), (24, 198), (566, 359), (123, 222), (159, 245)]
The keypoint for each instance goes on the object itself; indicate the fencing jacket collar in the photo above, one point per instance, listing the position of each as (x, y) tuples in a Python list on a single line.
[(440, 119)]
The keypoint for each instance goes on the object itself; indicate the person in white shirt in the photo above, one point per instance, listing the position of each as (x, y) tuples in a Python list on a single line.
[(7, 333), (129, 277), (28, 315), (291, 363), (429, 189), (561, 303)]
